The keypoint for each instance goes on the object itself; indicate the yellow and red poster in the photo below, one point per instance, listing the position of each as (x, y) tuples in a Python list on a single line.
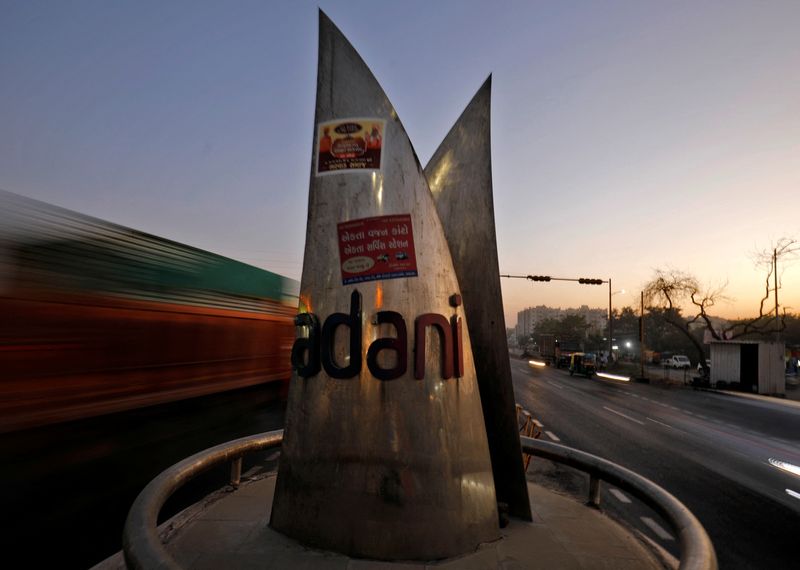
[(349, 144), (377, 248)]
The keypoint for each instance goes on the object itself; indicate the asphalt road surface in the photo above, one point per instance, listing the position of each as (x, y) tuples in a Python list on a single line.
[(733, 461), (66, 489)]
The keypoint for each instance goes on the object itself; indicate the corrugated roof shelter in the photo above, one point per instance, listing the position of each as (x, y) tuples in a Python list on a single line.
[(757, 366)]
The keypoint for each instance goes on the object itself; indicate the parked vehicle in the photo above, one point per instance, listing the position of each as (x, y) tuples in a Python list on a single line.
[(582, 363), (700, 366), (677, 361)]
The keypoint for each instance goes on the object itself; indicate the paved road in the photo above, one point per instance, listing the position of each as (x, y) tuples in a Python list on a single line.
[(712, 451)]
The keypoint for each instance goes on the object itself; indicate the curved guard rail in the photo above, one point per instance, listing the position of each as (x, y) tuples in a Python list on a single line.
[(140, 542), (697, 551), (143, 549)]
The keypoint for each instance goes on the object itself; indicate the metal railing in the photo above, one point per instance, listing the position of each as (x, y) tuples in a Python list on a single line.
[(697, 551), (143, 549), (141, 544)]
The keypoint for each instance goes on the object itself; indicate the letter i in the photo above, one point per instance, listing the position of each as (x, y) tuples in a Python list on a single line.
[(458, 353)]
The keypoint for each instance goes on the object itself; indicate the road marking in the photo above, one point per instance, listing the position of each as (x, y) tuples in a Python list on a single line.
[(635, 395), (674, 408), (702, 417), (688, 412), (657, 528), (619, 495), (537, 423), (552, 436), (794, 494), (623, 415), (556, 385), (785, 466), (660, 423)]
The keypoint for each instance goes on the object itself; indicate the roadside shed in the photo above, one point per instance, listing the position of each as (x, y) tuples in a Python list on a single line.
[(755, 366)]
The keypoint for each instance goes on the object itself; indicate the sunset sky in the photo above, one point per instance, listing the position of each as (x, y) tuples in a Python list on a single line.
[(627, 135)]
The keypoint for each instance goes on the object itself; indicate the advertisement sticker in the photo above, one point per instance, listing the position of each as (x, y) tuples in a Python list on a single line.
[(349, 144), (377, 248)]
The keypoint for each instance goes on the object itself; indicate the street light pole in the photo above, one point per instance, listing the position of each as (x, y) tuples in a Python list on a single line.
[(610, 325)]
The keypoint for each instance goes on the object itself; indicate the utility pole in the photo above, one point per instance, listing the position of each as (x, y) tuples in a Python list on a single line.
[(610, 325), (775, 277), (641, 337)]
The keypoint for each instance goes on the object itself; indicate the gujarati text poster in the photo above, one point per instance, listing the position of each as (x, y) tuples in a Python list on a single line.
[(377, 248)]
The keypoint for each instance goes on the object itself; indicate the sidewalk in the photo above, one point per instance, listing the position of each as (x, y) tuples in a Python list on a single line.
[(233, 532), (675, 379), (792, 398)]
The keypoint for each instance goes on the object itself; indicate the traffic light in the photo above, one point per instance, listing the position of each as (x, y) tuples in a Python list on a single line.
[(585, 281), (539, 277)]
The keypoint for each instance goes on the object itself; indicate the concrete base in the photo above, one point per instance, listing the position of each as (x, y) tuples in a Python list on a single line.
[(230, 530)]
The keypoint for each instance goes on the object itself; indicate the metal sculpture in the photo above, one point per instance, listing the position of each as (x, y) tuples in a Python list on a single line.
[(460, 178), (385, 453)]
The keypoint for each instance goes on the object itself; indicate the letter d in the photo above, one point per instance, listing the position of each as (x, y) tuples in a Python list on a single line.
[(353, 322)]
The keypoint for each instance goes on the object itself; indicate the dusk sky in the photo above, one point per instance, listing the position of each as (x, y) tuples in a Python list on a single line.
[(627, 136)]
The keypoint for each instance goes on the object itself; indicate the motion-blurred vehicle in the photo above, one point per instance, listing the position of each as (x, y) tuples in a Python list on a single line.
[(582, 363), (98, 318)]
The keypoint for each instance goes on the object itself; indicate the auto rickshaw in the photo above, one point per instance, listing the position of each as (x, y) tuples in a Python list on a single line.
[(582, 363)]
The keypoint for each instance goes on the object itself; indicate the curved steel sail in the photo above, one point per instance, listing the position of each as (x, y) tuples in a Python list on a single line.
[(385, 453), (460, 178)]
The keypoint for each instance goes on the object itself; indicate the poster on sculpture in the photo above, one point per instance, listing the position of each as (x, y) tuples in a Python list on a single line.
[(371, 249), (347, 145)]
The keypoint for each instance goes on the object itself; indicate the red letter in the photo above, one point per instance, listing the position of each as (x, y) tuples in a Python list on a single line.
[(446, 350)]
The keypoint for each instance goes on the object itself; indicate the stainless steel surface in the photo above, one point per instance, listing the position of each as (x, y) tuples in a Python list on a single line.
[(140, 542), (385, 469), (697, 551), (460, 178)]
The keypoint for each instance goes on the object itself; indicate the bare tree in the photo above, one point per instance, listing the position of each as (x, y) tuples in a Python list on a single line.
[(669, 290), (785, 249)]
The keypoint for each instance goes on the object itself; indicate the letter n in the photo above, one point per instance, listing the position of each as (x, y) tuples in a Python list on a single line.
[(446, 348), (399, 345)]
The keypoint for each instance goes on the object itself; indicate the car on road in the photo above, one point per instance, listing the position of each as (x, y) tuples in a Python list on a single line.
[(677, 361)]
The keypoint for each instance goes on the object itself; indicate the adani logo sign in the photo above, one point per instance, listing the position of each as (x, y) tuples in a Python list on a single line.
[(316, 351)]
